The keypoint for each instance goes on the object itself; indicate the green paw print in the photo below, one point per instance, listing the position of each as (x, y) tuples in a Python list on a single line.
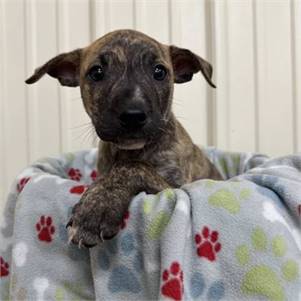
[(59, 294), (69, 157), (261, 279), (161, 218), (230, 166), (5, 292), (224, 198), (63, 293), (210, 183)]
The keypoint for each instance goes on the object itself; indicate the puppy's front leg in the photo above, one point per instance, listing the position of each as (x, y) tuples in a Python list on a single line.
[(99, 213)]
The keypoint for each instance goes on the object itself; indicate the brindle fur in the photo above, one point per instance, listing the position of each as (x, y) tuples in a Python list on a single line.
[(167, 157)]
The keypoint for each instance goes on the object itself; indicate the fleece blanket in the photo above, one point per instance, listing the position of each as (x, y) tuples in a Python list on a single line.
[(237, 239)]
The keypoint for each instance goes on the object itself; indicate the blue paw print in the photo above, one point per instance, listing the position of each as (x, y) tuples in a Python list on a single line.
[(215, 292), (122, 278), (110, 248), (127, 246)]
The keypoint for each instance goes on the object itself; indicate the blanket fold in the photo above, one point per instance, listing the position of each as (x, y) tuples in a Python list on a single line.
[(237, 239)]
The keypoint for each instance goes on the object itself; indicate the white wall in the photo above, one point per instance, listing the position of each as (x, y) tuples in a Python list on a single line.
[(254, 46)]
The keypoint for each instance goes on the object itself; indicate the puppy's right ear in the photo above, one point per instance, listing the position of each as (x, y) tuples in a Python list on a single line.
[(64, 67)]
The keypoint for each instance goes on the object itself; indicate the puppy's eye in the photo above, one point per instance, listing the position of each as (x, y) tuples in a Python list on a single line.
[(96, 73), (159, 72)]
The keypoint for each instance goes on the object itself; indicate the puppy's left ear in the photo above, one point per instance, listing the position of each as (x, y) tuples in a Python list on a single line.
[(185, 63)]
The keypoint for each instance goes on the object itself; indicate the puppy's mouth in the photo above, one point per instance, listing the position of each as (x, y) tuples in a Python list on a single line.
[(126, 143), (131, 144)]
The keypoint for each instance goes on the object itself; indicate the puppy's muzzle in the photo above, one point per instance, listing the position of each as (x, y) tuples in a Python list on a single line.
[(133, 119)]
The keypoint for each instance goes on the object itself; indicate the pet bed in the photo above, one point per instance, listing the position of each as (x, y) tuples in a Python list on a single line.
[(237, 239)]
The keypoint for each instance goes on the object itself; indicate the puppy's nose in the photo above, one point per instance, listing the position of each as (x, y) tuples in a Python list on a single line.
[(133, 118)]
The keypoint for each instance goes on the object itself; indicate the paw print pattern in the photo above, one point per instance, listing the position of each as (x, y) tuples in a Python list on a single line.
[(4, 267), (158, 219), (74, 174), (45, 228), (124, 220), (79, 189), (125, 279), (104, 258), (229, 200), (173, 282), (199, 285), (207, 244), (261, 279), (22, 183), (93, 175)]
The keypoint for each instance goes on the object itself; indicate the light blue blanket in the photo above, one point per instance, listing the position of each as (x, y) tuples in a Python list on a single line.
[(237, 239)]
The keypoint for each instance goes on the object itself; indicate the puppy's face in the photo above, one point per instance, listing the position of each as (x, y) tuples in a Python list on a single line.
[(126, 84), (126, 80)]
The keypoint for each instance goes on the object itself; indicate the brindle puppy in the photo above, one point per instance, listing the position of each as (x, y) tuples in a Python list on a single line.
[(126, 80)]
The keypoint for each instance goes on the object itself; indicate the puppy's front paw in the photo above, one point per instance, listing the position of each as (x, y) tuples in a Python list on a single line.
[(95, 218)]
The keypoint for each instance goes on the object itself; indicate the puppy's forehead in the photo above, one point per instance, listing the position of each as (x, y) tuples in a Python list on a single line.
[(125, 44)]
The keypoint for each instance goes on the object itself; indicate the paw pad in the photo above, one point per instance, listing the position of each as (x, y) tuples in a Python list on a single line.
[(93, 175), (4, 267), (80, 189), (173, 282), (207, 244), (45, 228), (74, 174), (22, 184)]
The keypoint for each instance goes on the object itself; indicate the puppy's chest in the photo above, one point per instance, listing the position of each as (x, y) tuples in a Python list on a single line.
[(169, 168), (167, 165)]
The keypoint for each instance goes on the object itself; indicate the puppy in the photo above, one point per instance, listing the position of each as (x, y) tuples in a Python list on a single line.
[(126, 80)]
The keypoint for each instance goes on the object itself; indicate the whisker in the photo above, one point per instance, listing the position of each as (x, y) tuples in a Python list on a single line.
[(82, 136), (181, 117), (178, 99), (84, 125), (178, 104), (86, 132)]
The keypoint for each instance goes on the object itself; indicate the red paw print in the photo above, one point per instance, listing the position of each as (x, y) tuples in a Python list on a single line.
[(93, 175), (78, 189), (74, 174), (173, 282), (207, 244), (22, 183), (4, 267), (124, 220), (45, 228)]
